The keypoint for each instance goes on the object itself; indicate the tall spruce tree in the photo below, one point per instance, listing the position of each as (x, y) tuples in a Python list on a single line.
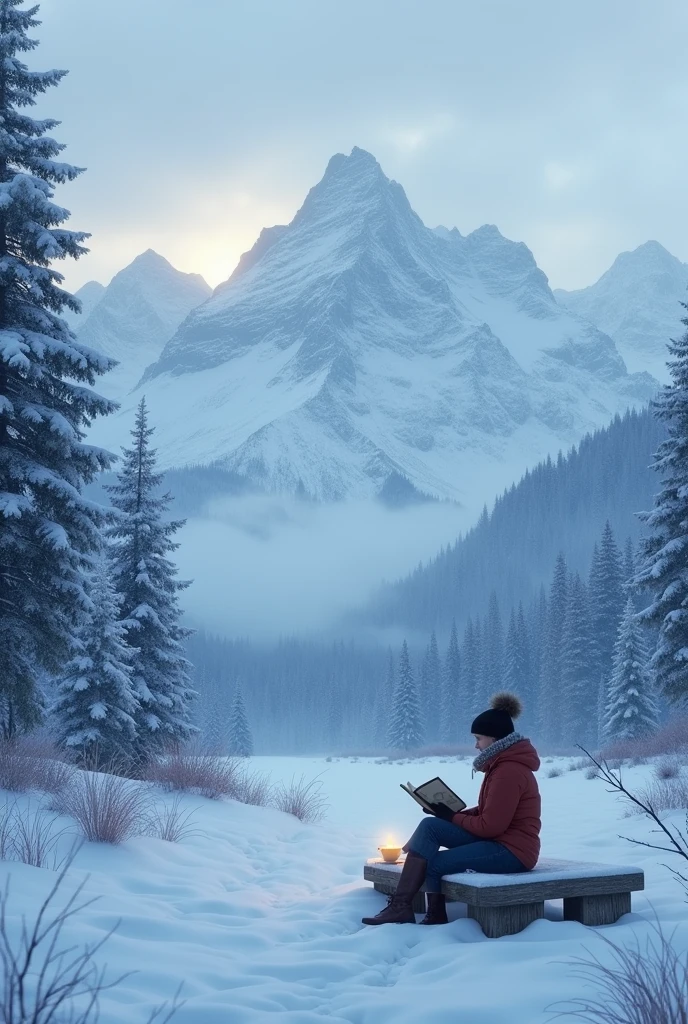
[(493, 650), (406, 726), (432, 690), (579, 676), (663, 567), (146, 579), (549, 704), (606, 589), (453, 702), (470, 666), (96, 708), (48, 531), (384, 702), (517, 659), (631, 706), (240, 740)]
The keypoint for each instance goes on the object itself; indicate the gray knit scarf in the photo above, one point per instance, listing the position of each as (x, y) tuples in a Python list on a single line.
[(496, 748)]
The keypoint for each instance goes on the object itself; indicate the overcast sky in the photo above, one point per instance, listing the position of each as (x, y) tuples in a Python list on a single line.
[(561, 121)]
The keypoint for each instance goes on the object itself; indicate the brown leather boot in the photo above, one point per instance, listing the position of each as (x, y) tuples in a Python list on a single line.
[(437, 909), (399, 909)]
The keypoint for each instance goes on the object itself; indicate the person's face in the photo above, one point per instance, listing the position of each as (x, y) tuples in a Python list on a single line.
[(482, 741)]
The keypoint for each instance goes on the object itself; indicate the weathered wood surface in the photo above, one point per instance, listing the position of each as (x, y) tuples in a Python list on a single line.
[(507, 920), (597, 910), (529, 887)]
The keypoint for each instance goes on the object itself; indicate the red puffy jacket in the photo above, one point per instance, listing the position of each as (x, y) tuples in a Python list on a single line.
[(508, 808)]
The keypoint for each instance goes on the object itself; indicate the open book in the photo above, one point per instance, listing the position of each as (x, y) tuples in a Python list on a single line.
[(434, 792)]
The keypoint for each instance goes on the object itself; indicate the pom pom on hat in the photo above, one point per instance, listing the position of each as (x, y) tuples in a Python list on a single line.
[(497, 722), (508, 702)]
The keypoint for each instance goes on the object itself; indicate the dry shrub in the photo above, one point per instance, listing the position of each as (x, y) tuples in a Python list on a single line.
[(591, 773), (668, 767), (188, 770), (554, 773), (45, 981), (107, 808), (254, 788), (170, 822), (29, 835), (645, 984), (28, 763), (664, 795), (671, 739), (303, 799)]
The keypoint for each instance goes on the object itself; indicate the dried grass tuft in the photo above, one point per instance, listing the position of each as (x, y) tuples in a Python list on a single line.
[(170, 822), (254, 788), (191, 771), (107, 808), (303, 799)]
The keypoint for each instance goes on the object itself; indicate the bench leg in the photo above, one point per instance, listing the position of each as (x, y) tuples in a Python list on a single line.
[(418, 899), (497, 921), (596, 910)]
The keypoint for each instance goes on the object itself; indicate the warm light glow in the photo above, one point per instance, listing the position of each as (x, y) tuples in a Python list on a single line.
[(390, 841)]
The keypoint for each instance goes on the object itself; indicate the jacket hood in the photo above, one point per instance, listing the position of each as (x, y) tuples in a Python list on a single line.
[(513, 747)]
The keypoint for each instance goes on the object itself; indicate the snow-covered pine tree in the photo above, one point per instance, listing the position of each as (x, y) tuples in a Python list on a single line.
[(48, 532), (405, 725), (631, 705), (493, 650), (95, 707), (470, 667), (628, 566), (579, 677), (663, 559), (606, 592), (517, 668), (240, 740), (453, 703), (432, 694), (384, 702), (549, 704), (145, 577)]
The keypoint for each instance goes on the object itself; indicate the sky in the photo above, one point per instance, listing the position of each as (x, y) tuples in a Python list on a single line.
[(560, 122)]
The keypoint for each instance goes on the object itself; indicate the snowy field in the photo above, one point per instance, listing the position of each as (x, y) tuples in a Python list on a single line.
[(259, 915)]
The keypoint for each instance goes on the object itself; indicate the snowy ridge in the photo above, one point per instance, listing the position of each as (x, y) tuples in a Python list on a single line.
[(355, 342), (637, 303), (89, 295), (135, 315)]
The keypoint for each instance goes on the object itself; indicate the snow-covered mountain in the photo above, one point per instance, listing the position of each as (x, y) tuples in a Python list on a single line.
[(636, 302), (136, 315), (356, 342), (89, 295)]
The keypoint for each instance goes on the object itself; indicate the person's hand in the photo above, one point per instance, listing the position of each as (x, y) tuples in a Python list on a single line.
[(442, 811)]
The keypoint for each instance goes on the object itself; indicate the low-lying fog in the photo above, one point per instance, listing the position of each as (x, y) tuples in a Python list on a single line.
[(264, 566)]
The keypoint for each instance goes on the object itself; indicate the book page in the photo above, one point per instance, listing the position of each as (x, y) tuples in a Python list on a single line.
[(438, 792)]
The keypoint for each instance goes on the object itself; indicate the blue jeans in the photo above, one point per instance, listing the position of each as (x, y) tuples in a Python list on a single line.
[(464, 852)]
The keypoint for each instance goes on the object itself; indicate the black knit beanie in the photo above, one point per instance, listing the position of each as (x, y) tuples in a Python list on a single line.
[(498, 720)]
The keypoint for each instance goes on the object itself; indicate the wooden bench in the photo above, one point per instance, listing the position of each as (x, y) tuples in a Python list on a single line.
[(593, 894)]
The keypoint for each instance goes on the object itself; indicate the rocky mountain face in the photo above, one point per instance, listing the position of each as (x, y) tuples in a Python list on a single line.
[(136, 315), (637, 303), (356, 343), (89, 295)]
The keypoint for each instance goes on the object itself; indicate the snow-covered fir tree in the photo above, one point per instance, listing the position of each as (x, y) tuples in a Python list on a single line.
[(405, 724), (663, 567), (517, 659), (431, 692), (146, 578), (48, 532), (240, 739), (631, 705), (452, 706), (470, 665), (96, 707), (579, 678), (550, 679), (493, 650), (628, 567), (384, 700), (606, 590)]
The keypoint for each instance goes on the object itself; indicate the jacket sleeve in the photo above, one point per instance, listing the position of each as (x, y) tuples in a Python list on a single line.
[(503, 797)]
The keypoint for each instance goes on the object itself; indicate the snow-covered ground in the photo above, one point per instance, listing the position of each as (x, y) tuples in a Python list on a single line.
[(259, 915)]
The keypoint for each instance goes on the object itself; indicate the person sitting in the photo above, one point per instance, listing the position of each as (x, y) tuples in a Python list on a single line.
[(499, 836)]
